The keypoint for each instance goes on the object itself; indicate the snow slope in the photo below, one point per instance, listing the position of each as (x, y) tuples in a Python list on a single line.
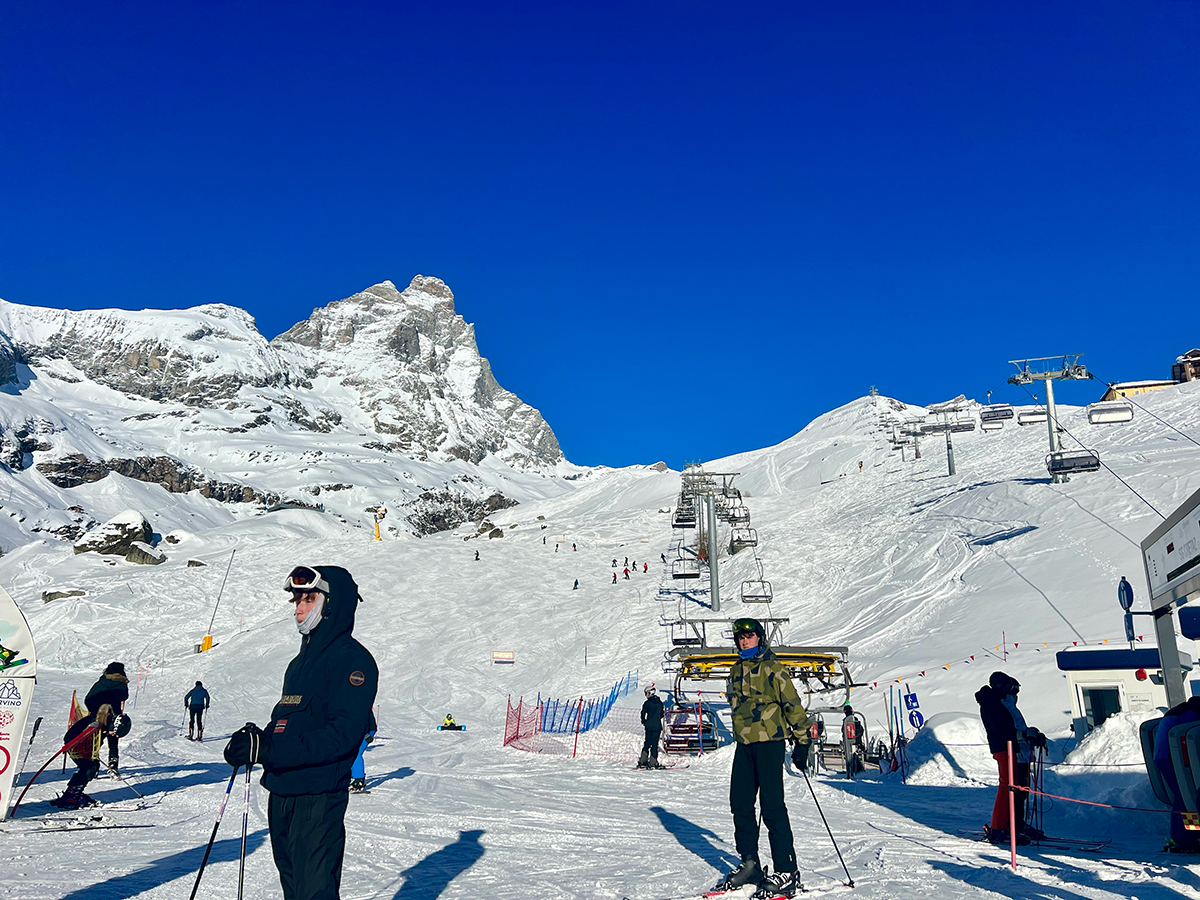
[(910, 568)]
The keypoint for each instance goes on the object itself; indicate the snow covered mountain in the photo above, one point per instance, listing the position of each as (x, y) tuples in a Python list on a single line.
[(187, 398), (924, 576)]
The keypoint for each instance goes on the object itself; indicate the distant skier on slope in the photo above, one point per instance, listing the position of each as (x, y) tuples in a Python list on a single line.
[(196, 702), (645, 567), (766, 712), (1003, 722), (316, 728), (614, 581), (652, 721), (576, 585), (103, 703), (476, 555), (626, 573)]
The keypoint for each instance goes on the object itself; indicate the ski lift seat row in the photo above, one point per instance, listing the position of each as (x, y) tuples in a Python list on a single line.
[(1032, 417), (996, 412), (1110, 412), (1070, 461), (685, 568), (756, 592), (991, 425), (744, 537)]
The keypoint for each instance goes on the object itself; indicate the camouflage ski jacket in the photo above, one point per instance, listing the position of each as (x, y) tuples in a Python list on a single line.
[(764, 701)]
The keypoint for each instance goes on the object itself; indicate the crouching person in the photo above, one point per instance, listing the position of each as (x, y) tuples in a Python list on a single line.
[(308, 747)]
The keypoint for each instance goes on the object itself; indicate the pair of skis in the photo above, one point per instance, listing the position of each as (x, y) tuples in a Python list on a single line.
[(747, 891), (1083, 845)]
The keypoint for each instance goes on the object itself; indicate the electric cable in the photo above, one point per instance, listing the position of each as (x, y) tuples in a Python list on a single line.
[(1112, 384)]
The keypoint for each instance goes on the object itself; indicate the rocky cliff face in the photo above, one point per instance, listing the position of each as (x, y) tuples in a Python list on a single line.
[(418, 374), (401, 364)]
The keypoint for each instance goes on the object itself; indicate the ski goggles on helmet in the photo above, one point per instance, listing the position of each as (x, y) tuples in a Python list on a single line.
[(742, 627), (303, 578)]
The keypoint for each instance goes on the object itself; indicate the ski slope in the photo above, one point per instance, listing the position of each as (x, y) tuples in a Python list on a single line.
[(910, 568)]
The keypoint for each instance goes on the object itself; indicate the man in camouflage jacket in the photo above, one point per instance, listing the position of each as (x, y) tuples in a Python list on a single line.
[(766, 712)]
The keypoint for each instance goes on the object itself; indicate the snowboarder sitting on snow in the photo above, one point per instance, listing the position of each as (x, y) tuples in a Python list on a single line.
[(1003, 722), (316, 728), (358, 771), (766, 712), (103, 704), (448, 724), (652, 721), (196, 702)]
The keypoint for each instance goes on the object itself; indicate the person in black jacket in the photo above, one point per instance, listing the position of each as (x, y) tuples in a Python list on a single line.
[(196, 702), (103, 702), (316, 728), (1003, 722), (652, 721)]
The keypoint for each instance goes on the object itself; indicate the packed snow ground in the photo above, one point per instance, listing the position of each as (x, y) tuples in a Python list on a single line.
[(910, 568)]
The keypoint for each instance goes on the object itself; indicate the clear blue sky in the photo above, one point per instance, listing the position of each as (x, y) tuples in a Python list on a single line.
[(681, 229)]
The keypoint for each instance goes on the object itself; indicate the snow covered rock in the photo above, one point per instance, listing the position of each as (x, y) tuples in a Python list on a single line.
[(145, 555), (116, 536)]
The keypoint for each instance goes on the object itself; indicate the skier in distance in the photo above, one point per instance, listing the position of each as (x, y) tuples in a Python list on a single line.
[(310, 743), (652, 721), (196, 702)]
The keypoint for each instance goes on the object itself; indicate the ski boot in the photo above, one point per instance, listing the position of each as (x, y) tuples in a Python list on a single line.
[(643, 759), (72, 798), (1000, 836), (190, 733), (778, 884), (200, 736), (358, 785), (747, 873)]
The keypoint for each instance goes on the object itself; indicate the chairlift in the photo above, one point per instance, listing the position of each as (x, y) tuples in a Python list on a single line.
[(1032, 417), (1069, 462), (1110, 412), (739, 516), (991, 425), (756, 592), (743, 537), (996, 412), (685, 568)]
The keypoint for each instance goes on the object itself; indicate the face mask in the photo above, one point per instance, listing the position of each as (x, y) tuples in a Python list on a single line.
[(313, 619), (749, 652)]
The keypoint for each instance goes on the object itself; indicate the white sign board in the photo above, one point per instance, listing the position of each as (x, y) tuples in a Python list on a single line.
[(1172, 554), (16, 692)]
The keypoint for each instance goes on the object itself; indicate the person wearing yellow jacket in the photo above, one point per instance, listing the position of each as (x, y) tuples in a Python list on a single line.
[(767, 712)]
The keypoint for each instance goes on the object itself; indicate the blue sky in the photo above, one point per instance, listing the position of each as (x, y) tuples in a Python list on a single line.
[(682, 230)]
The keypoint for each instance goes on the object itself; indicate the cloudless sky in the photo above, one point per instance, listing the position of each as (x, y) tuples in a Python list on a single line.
[(682, 230)]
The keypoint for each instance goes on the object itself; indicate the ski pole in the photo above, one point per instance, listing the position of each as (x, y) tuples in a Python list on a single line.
[(245, 821), (849, 880), (213, 837), (36, 725)]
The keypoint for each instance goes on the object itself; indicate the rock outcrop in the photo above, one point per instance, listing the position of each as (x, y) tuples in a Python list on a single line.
[(117, 536)]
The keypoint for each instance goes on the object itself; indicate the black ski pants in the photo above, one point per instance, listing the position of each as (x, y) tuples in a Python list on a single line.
[(650, 745), (196, 719), (758, 770), (308, 840)]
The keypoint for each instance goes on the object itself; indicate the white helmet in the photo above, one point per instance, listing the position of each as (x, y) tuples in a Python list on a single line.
[(650, 691)]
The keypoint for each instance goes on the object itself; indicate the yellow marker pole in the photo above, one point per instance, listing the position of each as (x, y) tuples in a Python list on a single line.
[(377, 537)]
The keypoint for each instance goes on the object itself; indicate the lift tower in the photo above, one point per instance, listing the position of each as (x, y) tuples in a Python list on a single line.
[(1050, 369)]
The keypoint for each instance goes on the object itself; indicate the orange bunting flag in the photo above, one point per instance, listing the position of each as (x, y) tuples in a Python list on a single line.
[(946, 667)]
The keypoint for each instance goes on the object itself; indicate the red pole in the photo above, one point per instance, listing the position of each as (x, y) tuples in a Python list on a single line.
[(1012, 809), (579, 718)]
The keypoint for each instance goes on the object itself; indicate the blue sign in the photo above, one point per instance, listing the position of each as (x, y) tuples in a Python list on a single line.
[(910, 700), (916, 718), (1125, 595)]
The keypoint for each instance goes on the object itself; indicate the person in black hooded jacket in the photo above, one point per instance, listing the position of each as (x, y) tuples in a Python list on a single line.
[(103, 702), (311, 742), (1003, 722)]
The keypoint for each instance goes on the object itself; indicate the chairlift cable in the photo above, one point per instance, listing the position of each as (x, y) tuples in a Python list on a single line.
[(1058, 424), (1159, 418)]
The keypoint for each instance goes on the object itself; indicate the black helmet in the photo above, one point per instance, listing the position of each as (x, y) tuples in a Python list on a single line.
[(115, 668), (847, 708), (1004, 684), (749, 626)]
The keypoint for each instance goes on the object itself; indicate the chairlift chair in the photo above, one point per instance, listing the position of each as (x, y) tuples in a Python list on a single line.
[(685, 568), (1110, 412), (996, 412), (991, 425), (744, 537), (1032, 417), (756, 591), (740, 516), (1070, 461)]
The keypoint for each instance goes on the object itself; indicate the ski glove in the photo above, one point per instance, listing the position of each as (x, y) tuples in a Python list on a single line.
[(1036, 738), (246, 747), (800, 756)]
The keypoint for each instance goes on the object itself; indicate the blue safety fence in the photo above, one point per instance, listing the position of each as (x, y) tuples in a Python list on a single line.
[(567, 716)]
